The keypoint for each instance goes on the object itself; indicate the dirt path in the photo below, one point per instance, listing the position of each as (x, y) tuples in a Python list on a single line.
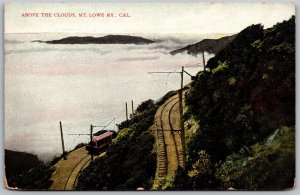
[(67, 171), (169, 155)]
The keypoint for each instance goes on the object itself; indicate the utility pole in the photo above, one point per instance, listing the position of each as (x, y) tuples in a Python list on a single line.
[(180, 91), (181, 74), (91, 137), (182, 132), (91, 134), (62, 141), (203, 61), (181, 117), (126, 112), (132, 107)]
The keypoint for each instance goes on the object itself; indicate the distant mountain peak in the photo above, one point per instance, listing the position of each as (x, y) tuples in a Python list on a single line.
[(108, 39), (206, 45)]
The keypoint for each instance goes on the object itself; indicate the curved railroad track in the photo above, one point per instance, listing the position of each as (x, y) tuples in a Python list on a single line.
[(169, 153), (71, 181), (162, 164), (67, 171), (176, 134), (80, 170)]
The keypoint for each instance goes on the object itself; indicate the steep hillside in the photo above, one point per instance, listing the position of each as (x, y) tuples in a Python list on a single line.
[(206, 45), (245, 106), (25, 171), (130, 161), (20, 161)]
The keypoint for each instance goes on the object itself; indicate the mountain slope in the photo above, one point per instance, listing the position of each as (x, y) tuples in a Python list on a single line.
[(25, 171), (130, 161), (206, 45), (240, 103), (19, 162)]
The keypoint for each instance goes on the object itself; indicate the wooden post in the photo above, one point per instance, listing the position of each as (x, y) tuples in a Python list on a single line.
[(132, 107), (203, 61), (181, 81), (126, 112), (182, 133), (91, 136), (180, 91), (91, 133), (181, 118), (62, 140)]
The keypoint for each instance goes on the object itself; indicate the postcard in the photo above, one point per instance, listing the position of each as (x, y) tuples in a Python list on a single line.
[(149, 96)]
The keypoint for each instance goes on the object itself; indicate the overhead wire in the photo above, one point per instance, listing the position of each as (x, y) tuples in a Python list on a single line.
[(79, 123), (190, 64), (167, 82), (157, 82), (108, 123), (72, 142)]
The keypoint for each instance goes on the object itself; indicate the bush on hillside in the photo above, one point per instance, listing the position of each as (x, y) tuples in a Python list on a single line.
[(247, 95)]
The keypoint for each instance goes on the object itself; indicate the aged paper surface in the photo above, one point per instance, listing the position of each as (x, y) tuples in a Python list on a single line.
[(149, 96)]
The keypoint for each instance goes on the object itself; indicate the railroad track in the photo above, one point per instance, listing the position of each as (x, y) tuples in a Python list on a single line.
[(67, 171), (81, 168), (176, 137), (72, 179), (169, 152), (162, 164)]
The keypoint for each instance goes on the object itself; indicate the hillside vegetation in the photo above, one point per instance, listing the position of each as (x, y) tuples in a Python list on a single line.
[(243, 114), (130, 161), (25, 171), (245, 107)]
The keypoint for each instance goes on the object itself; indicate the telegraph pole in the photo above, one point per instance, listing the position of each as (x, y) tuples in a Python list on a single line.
[(182, 132), (91, 137), (91, 134), (181, 117), (180, 92), (181, 74), (132, 107), (126, 111), (62, 141), (203, 61)]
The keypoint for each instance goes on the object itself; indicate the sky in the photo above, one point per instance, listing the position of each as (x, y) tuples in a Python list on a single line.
[(162, 18)]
